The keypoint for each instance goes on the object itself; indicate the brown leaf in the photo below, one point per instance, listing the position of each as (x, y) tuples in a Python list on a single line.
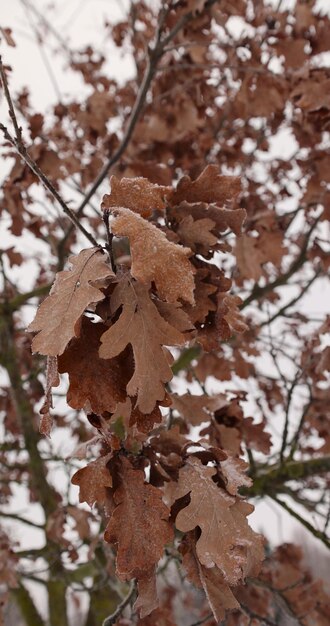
[(234, 471), (228, 309), (197, 409), (139, 524), (52, 380), (161, 617), (137, 194), (6, 33), (141, 325), (154, 258), (58, 317), (96, 384), (226, 539), (249, 257), (255, 435), (217, 591), (93, 480), (209, 187), (210, 218), (196, 234), (147, 600)]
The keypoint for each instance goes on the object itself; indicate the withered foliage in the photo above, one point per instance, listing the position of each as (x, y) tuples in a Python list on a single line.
[(179, 362)]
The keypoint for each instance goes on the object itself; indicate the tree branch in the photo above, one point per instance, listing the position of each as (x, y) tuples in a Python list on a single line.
[(271, 480), (316, 533), (111, 619), (155, 53), (27, 606), (22, 520), (20, 148), (287, 306), (259, 292)]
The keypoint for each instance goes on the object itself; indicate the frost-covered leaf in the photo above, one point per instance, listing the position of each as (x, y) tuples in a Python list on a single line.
[(234, 471), (137, 194), (141, 326), (58, 317), (226, 539), (156, 259)]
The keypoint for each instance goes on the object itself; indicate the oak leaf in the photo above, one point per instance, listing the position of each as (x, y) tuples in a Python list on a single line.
[(96, 384), (139, 524), (249, 257), (58, 317), (93, 480), (204, 219), (197, 409), (197, 234), (210, 187), (226, 540), (154, 258), (234, 471), (228, 309), (137, 194), (147, 600), (217, 591), (141, 325)]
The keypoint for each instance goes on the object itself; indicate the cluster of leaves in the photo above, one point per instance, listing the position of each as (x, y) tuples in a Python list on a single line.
[(108, 328), (205, 217)]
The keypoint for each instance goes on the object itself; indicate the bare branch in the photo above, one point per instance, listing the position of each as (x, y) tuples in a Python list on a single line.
[(111, 619), (20, 148), (316, 533)]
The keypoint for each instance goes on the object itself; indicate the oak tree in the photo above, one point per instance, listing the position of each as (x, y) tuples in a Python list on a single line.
[(172, 331)]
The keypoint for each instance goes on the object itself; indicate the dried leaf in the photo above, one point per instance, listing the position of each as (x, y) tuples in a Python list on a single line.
[(209, 187), (234, 471), (141, 325), (139, 524), (96, 384), (147, 600), (137, 194), (249, 257), (217, 591), (154, 258), (197, 409), (58, 317), (93, 480), (226, 539), (52, 380), (197, 234)]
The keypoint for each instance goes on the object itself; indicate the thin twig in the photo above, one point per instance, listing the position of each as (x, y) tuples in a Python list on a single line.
[(23, 520), (20, 148), (155, 54), (317, 533), (295, 438), (111, 619), (39, 42), (287, 412), (253, 615), (203, 620), (259, 292), (287, 306)]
